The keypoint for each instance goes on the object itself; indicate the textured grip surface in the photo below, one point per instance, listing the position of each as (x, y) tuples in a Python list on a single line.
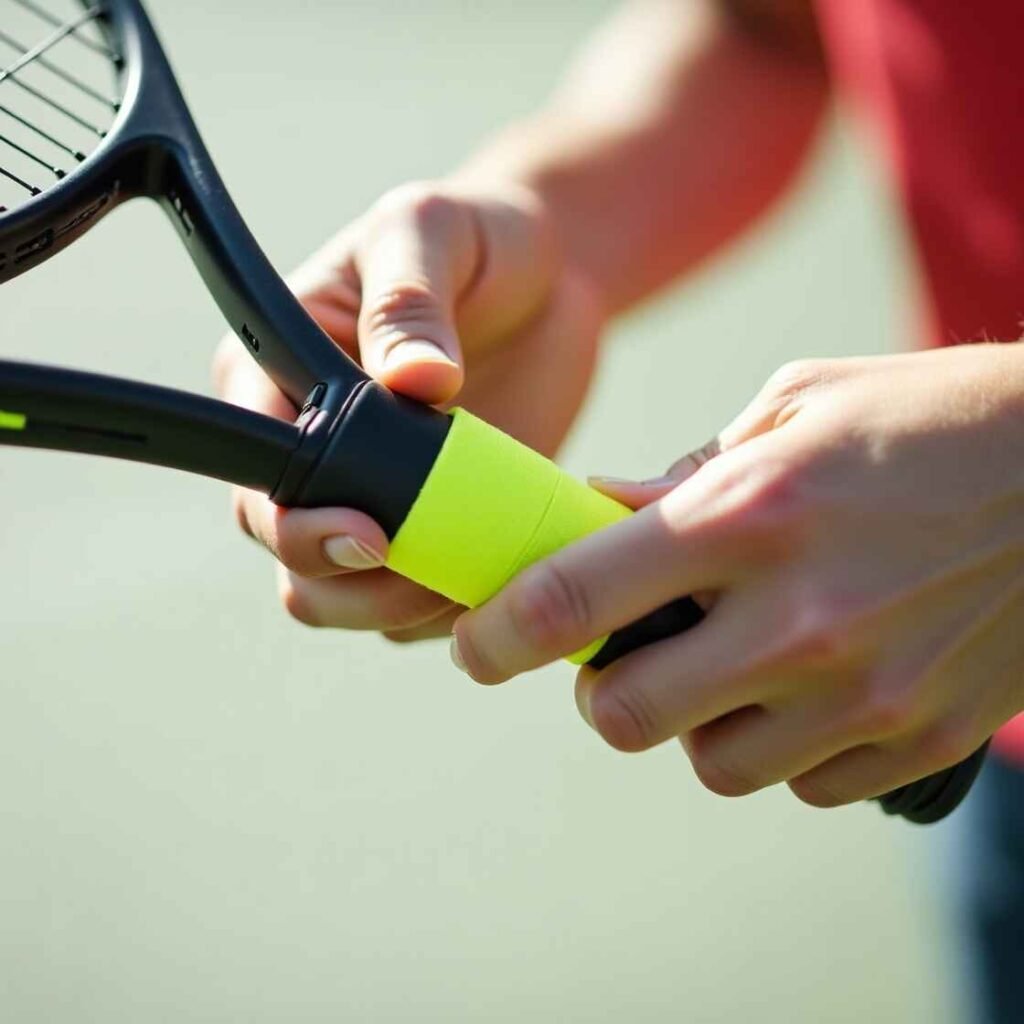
[(491, 506)]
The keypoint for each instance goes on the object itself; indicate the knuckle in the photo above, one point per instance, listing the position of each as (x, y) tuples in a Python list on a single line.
[(775, 497), (819, 637), (764, 507), (395, 201), (424, 204), (287, 537), (288, 545), (625, 718), (948, 743), (549, 607), (797, 376), (789, 388), (432, 208), (296, 603), (825, 646), (818, 629), (886, 709), (410, 196), (404, 306)]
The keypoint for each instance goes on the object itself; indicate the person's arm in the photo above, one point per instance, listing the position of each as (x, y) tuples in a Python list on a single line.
[(677, 126)]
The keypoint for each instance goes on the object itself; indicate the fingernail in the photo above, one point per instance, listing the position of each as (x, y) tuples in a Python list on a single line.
[(456, 654), (618, 481), (614, 481), (349, 553), (414, 351)]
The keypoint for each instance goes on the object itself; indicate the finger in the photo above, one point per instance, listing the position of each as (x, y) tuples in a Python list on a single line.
[(328, 286), (505, 388), (334, 304), (312, 542), (757, 418), (871, 770), (770, 409), (515, 270), (786, 392), (238, 379), (413, 263), (637, 494), (634, 494), (761, 746), (330, 271), (675, 686), (433, 629), (563, 603), (378, 600)]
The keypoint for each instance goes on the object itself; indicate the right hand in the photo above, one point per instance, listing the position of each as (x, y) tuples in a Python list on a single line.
[(439, 291)]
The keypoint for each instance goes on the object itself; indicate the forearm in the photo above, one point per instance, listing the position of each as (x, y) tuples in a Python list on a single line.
[(677, 126)]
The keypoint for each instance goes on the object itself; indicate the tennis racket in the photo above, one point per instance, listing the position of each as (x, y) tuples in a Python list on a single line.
[(92, 116)]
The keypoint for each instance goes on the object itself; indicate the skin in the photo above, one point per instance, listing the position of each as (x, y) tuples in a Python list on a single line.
[(856, 534)]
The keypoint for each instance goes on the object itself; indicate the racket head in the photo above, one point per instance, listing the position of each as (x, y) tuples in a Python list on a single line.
[(151, 148), (67, 98)]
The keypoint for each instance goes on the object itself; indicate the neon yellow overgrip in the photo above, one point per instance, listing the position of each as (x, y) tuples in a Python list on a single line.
[(490, 507), (12, 420)]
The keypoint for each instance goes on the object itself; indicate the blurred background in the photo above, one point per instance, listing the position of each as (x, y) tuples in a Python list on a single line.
[(210, 813)]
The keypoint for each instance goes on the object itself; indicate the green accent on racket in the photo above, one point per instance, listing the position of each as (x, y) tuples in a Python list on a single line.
[(12, 420)]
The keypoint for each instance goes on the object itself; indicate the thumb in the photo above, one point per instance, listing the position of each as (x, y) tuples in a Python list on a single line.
[(761, 415), (421, 255), (635, 494)]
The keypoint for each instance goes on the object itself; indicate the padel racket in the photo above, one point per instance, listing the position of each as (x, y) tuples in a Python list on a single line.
[(90, 116)]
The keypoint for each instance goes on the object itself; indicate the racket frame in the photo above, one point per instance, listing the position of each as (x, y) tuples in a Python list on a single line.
[(154, 150)]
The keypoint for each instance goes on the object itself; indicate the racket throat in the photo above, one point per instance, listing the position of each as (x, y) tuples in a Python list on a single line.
[(372, 451)]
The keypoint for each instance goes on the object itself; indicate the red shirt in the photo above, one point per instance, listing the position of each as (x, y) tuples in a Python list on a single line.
[(942, 84)]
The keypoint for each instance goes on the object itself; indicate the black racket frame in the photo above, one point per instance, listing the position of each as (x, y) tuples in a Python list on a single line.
[(154, 150)]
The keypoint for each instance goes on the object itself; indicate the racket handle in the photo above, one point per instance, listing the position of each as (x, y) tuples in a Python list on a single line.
[(922, 802), (930, 799), (469, 507)]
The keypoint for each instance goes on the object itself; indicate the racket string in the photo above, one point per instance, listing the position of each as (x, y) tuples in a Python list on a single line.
[(41, 123), (83, 87), (52, 19)]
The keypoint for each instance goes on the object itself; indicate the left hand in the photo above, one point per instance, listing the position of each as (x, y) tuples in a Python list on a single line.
[(858, 536)]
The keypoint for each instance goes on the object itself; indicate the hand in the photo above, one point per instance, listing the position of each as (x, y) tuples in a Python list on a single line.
[(858, 536), (438, 291)]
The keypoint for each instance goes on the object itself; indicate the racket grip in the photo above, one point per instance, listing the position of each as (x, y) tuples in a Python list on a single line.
[(491, 506)]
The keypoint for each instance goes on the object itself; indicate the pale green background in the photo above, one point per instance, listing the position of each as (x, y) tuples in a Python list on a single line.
[(210, 813)]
